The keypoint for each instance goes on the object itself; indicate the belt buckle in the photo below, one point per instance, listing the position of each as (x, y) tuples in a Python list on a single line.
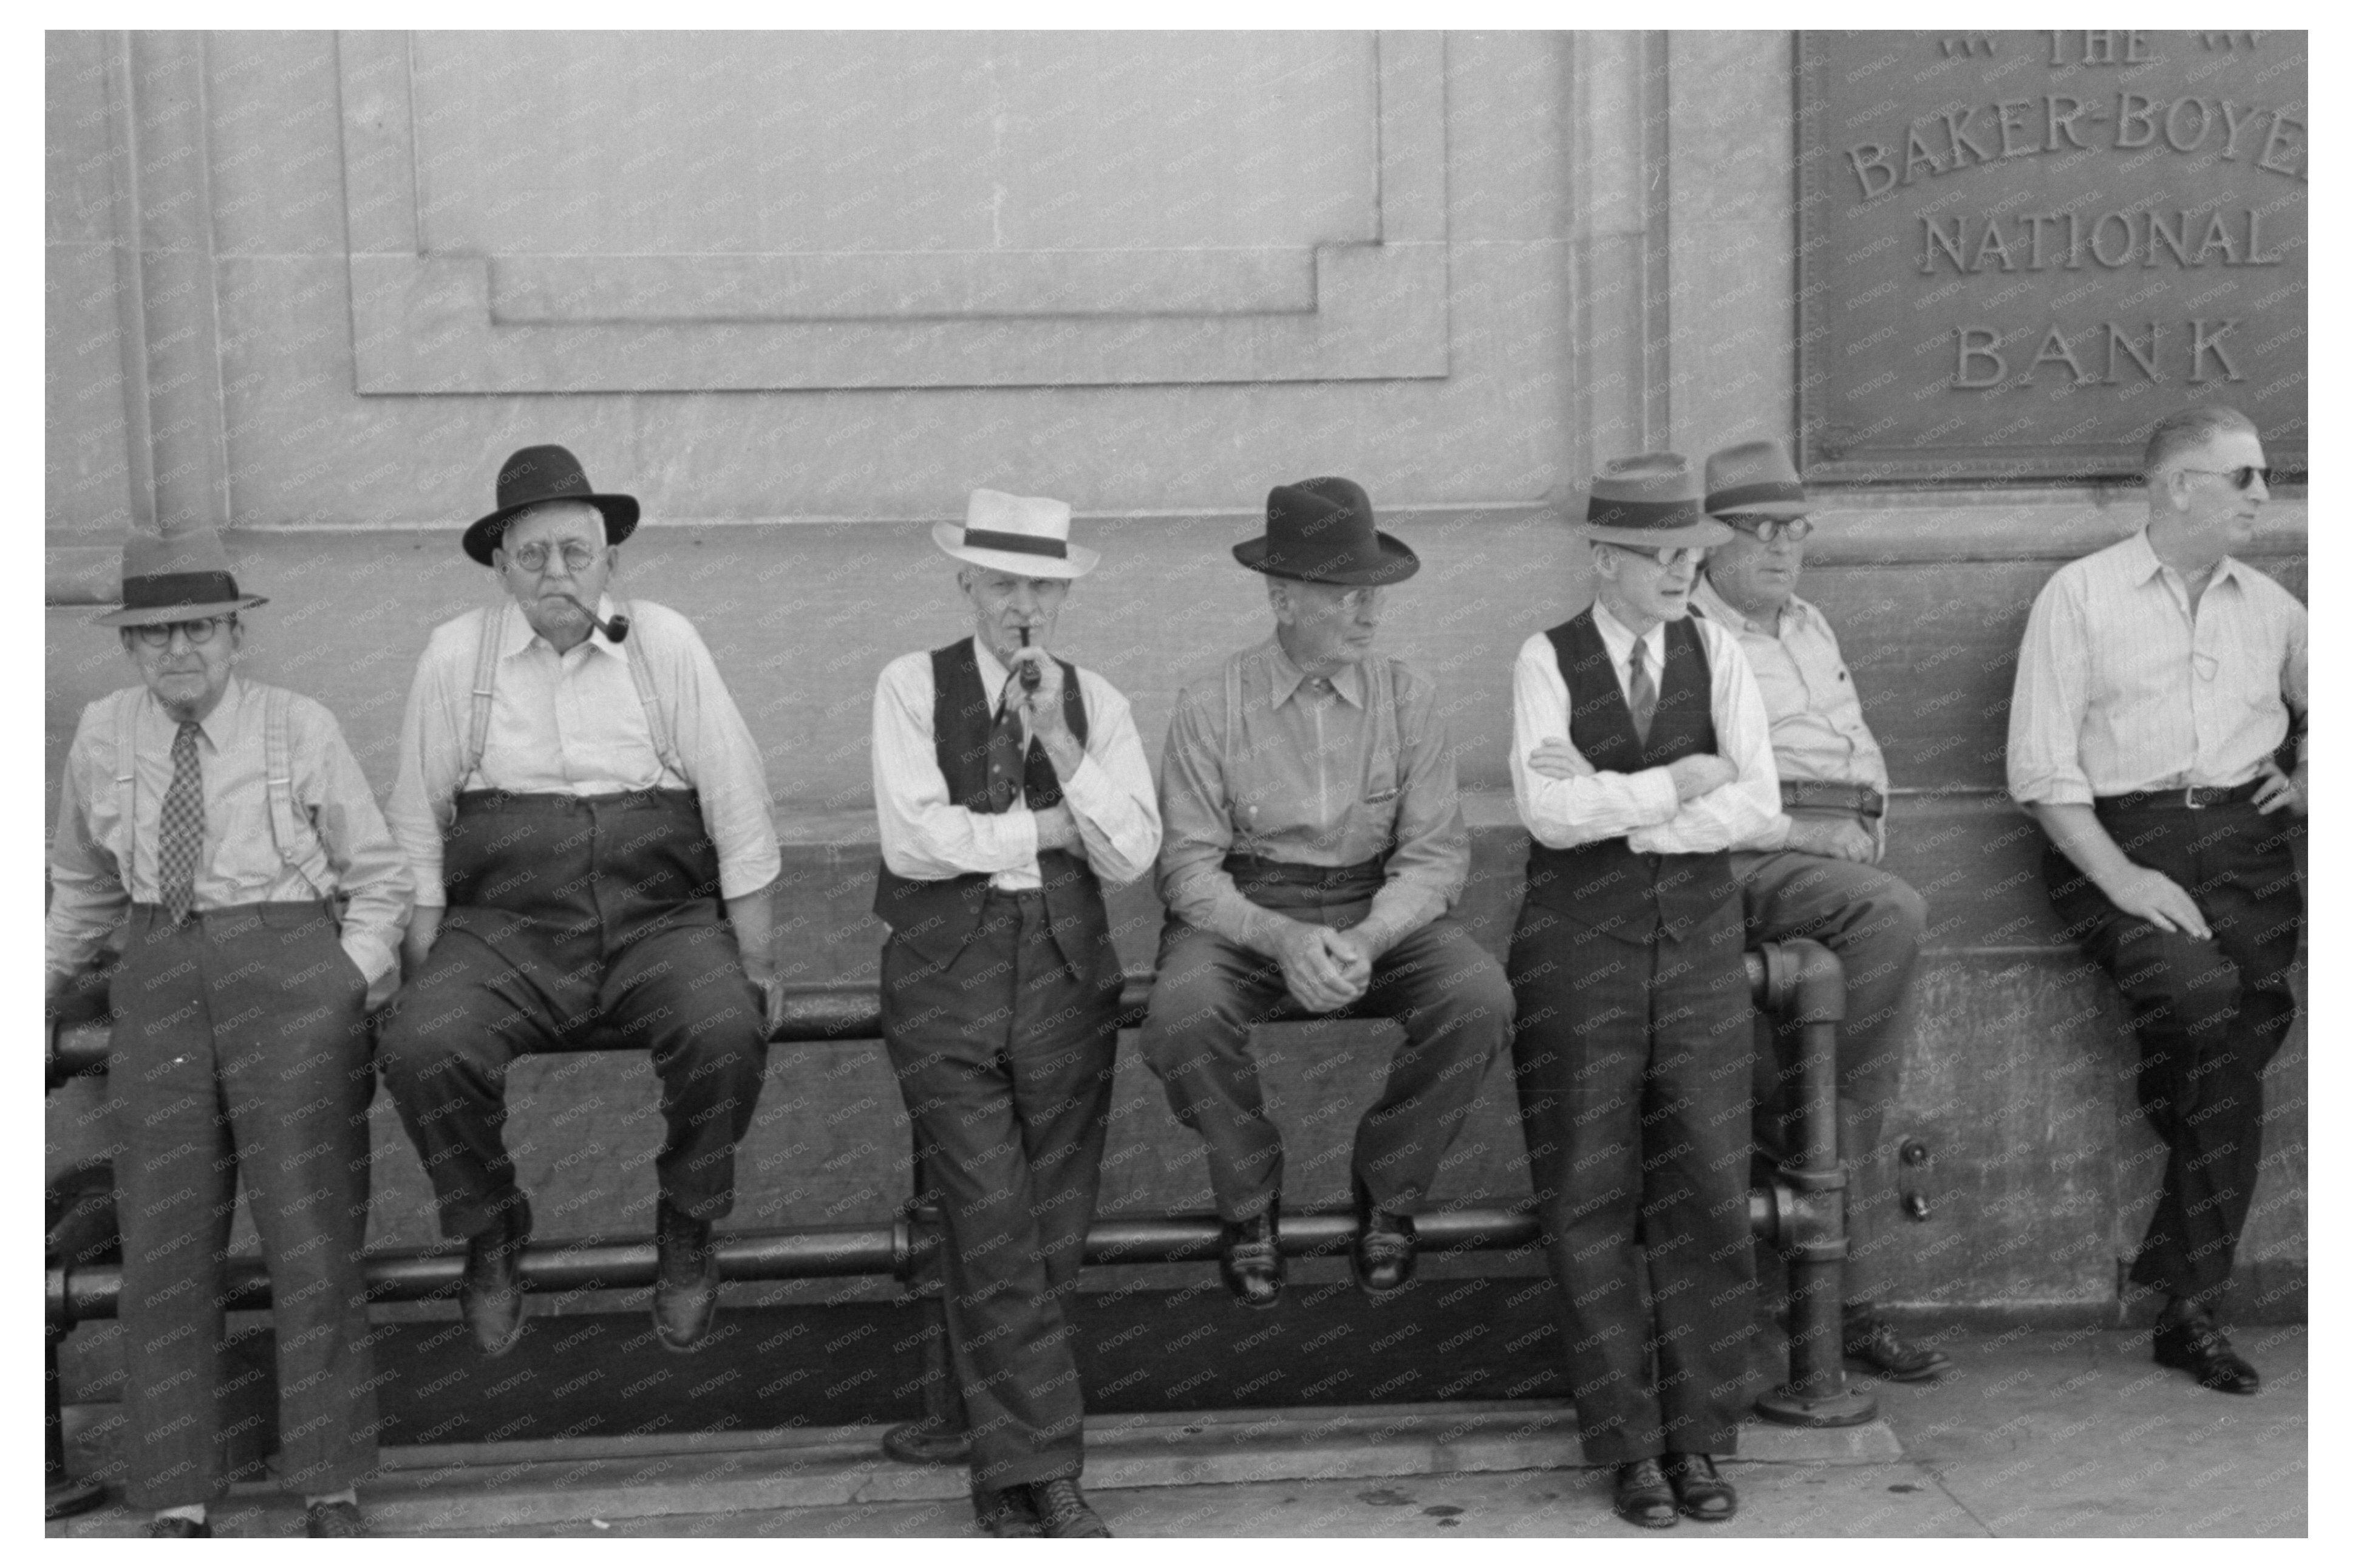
[(2190, 798)]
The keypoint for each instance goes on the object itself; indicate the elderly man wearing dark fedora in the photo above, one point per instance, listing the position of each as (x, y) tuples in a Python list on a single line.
[(225, 819), (588, 818), (1640, 755), (1812, 872), (1314, 847), (1009, 784)]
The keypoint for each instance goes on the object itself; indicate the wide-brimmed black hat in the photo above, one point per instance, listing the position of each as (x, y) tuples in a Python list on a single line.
[(536, 475), (1321, 531), (184, 576)]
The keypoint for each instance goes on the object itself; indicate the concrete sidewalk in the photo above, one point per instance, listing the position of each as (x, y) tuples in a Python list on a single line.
[(2036, 1433)]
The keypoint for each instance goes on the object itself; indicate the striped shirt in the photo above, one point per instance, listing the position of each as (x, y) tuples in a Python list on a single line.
[(2120, 687)]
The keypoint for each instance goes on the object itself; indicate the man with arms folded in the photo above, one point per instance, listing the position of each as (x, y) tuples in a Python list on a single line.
[(1009, 785), (2157, 683)]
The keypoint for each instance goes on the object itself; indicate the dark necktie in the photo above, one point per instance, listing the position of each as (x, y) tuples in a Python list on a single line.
[(1641, 697), (1007, 760), (180, 831)]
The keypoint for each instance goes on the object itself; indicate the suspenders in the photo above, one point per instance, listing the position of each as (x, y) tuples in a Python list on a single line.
[(486, 671), (290, 833)]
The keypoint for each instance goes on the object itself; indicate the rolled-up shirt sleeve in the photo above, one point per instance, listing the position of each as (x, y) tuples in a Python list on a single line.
[(1197, 832), (2046, 702), (1750, 805), (1561, 813), (1110, 793), (724, 763), (923, 835), (1431, 860), (87, 896)]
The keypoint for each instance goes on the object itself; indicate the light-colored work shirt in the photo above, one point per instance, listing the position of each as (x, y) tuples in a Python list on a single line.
[(2121, 688), (930, 838), (1308, 775), (100, 863), (572, 724), (1809, 698), (1641, 807)]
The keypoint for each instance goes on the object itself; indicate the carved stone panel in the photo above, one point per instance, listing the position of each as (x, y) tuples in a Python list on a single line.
[(2019, 250)]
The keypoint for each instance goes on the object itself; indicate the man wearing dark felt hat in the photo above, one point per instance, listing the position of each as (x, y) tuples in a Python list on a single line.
[(1640, 755), (589, 822), (225, 829), (1813, 871), (1312, 847)]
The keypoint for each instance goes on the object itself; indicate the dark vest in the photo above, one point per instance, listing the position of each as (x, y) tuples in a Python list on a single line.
[(937, 918), (1604, 885)]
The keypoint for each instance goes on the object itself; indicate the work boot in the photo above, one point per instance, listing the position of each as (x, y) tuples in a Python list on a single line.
[(490, 1298), (1382, 1254), (2188, 1339), (1642, 1496), (1062, 1509), (1867, 1338), (333, 1519), (1249, 1258), (1006, 1512), (686, 1279), (1700, 1492)]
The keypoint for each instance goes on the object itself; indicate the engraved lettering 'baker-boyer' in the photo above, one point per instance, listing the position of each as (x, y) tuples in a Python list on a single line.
[(1650, 500)]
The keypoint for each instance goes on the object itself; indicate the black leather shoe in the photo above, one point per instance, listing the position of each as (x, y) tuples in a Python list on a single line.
[(1249, 1258), (491, 1298), (686, 1279), (2195, 1345), (1700, 1492), (1868, 1338), (1007, 1512), (1382, 1255), (339, 1521), (180, 1529), (1062, 1509), (1643, 1496)]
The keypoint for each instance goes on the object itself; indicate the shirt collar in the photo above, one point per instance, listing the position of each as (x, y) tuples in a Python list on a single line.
[(1719, 609), (516, 633), (216, 726), (993, 672), (1620, 641), (1287, 677), (2146, 563)]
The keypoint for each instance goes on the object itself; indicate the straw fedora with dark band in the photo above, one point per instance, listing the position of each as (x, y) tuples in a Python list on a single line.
[(1650, 500), (1321, 531), (1754, 478), (182, 578), (1028, 536), (539, 474)]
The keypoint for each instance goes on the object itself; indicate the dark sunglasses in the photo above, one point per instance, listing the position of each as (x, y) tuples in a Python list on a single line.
[(2244, 476), (1768, 529)]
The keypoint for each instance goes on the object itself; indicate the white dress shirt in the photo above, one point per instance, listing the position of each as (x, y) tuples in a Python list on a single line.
[(572, 724), (929, 838), (1641, 807), (2120, 687)]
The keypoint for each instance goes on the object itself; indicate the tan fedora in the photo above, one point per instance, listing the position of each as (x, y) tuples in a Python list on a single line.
[(180, 576), (1650, 500), (1028, 536), (1754, 478)]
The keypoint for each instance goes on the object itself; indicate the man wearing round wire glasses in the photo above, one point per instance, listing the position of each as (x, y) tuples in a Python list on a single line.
[(1812, 872)]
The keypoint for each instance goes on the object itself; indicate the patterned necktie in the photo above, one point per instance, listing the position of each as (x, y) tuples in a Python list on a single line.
[(1005, 759), (1641, 697), (180, 834)]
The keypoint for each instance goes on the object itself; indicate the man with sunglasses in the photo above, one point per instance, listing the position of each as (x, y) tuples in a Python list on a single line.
[(226, 821), (1812, 871), (588, 820), (2155, 733), (1640, 755)]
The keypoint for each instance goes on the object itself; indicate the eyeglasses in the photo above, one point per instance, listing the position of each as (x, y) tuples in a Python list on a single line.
[(1668, 557), (577, 558), (1359, 599), (197, 632), (1765, 530), (2244, 476)]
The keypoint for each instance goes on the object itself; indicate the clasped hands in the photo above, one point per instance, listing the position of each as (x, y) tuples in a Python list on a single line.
[(1324, 969)]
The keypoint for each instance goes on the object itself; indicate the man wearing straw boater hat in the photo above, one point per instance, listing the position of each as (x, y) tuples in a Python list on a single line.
[(1813, 871), (588, 818), (1639, 755), (1314, 846), (1009, 785), (226, 820)]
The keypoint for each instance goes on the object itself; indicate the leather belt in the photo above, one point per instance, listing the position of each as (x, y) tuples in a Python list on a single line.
[(1821, 793), (2193, 798)]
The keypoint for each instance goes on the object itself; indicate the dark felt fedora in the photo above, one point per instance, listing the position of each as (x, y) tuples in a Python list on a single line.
[(1321, 531), (539, 474), (184, 577), (1650, 500), (1754, 478)]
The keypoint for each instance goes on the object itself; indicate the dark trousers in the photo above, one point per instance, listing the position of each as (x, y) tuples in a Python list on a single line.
[(1436, 982), (240, 1048), (1004, 1055), (591, 912), (1873, 921), (1633, 1063), (2209, 1015)]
